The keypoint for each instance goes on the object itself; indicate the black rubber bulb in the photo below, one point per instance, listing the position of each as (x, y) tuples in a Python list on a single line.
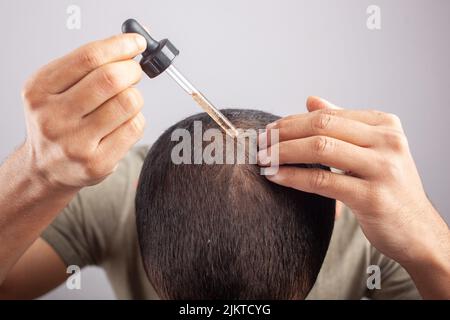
[(132, 26), (158, 56)]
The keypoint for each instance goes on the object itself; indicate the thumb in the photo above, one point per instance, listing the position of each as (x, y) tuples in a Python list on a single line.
[(316, 103)]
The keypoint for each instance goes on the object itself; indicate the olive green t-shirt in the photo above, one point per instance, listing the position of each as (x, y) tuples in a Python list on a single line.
[(98, 228)]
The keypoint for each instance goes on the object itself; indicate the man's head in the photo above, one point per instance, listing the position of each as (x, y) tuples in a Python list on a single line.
[(224, 231)]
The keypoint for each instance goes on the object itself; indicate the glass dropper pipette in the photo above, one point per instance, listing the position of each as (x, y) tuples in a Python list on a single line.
[(201, 100), (158, 58)]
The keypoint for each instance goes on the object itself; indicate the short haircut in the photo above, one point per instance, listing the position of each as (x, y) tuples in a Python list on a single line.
[(224, 231)]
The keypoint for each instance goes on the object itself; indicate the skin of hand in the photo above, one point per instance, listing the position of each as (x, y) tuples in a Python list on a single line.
[(380, 183), (83, 114)]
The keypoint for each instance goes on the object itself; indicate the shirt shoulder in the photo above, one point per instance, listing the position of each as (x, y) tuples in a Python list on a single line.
[(345, 270), (86, 230)]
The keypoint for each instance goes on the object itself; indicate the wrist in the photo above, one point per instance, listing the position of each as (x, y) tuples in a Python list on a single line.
[(38, 179), (431, 274), (426, 237), (435, 259), (428, 261)]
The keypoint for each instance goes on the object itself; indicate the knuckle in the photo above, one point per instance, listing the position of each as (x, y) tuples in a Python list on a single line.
[(376, 113), (391, 167), (321, 121), (378, 116), (46, 126), (76, 153), (48, 132), (389, 119), (129, 101), (394, 139), (90, 57), (319, 179), (31, 96), (392, 119), (27, 91), (328, 111), (386, 118), (110, 79), (95, 169), (322, 145)]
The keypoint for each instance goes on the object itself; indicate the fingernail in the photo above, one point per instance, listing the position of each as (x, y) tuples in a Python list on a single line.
[(269, 172), (272, 177), (262, 140), (262, 158), (271, 125), (142, 43)]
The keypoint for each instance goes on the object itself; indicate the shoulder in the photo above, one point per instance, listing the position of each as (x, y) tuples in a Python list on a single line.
[(348, 246), (119, 188), (343, 271), (87, 230)]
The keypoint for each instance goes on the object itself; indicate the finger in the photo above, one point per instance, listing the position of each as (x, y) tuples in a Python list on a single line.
[(113, 113), (344, 188), (316, 103), (101, 85), (371, 117), (324, 150), (321, 124), (117, 144), (64, 72)]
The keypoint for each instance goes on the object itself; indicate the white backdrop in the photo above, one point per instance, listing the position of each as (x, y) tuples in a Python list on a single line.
[(265, 54)]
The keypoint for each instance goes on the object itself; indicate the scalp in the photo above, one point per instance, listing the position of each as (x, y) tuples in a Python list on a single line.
[(224, 231)]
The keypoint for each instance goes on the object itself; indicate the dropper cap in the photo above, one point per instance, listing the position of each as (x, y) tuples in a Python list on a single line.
[(158, 56)]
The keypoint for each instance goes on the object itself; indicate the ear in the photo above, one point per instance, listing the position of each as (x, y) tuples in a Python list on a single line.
[(316, 103)]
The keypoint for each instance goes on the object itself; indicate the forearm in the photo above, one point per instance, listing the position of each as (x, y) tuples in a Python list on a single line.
[(28, 205), (75, 137), (380, 184), (432, 279), (430, 270)]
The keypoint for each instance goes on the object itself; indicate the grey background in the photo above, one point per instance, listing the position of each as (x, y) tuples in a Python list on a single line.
[(264, 54)]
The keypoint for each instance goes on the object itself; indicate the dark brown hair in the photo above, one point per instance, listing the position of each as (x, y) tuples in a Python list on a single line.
[(224, 231)]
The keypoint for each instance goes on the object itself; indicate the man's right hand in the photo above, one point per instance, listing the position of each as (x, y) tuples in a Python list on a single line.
[(83, 113)]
